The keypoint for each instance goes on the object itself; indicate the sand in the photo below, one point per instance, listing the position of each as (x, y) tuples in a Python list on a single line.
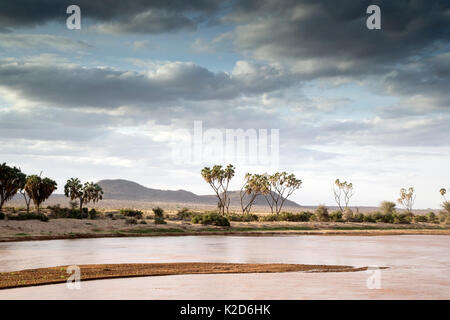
[(32, 277)]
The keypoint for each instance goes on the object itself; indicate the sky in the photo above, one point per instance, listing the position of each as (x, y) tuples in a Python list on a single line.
[(119, 97)]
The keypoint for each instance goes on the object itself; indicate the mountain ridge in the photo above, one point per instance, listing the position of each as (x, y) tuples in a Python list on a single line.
[(121, 189)]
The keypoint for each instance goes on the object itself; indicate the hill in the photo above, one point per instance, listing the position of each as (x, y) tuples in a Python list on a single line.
[(128, 190)]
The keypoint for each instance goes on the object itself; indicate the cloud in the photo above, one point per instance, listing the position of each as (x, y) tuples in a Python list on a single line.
[(322, 39), (77, 86), (142, 16), (40, 41), (143, 44)]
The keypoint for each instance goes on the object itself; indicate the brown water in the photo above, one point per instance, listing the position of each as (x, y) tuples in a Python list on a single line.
[(419, 267)]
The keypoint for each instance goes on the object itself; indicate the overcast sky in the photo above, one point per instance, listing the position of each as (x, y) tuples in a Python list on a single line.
[(103, 102)]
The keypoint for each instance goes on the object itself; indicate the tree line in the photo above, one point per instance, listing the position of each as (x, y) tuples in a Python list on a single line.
[(38, 189), (277, 187)]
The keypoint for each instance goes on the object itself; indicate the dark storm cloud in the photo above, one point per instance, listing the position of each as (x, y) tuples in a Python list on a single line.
[(77, 86), (131, 15), (330, 38), (429, 77)]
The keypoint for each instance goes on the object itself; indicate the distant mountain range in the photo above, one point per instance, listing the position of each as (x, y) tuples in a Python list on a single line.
[(128, 190)]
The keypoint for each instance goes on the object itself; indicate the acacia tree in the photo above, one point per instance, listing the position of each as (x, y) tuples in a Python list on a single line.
[(39, 189), (407, 198), (281, 186), (84, 193), (219, 178), (23, 181), (254, 185), (10, 178), (343, 191)]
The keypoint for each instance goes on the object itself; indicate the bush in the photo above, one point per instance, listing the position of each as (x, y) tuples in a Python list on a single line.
[(442, 216), (93, 214), (386, 218), (358, 217), (420, 218), (303, 216), (159, 215), (402, 218), (143, 222), (56, 212), (131, 221), (211, 218), (184, 214), (28, 216), (197, 218), (447, 220), (269, 217), (336, 216), (247, 217), (387, 207), (2, 216), (131, 213), (158, 212), (348, 214), (432, 218), (322, 214), (367, 218)]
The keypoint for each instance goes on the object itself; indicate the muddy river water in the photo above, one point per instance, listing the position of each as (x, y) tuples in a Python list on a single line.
[(418, 267)]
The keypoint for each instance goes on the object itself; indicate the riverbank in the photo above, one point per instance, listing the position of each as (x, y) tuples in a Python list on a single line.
[(52, 275), (101, 228)]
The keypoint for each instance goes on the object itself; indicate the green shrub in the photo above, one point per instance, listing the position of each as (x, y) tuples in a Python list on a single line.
[(420, 218), (303, 216), (432, 218), (387, 207), (56, 212), (2, 216), (131, 221), (247, 217), (28, 216), (211, 218), (442, 216), (143, 222), (366, 218), (197, 218), (388, 218), (322, 214), (402, 218), (158, 212), (93, 214), (380, 217), (159, 220), (131, 213), (447, 220), (159, 215), (269, 217), (184, 214), (347, 215), (336, 216)]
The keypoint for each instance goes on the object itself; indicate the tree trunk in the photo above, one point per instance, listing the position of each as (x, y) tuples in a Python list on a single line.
[(81, 208)]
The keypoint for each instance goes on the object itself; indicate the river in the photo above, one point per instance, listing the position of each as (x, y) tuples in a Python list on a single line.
[(418, 267)]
